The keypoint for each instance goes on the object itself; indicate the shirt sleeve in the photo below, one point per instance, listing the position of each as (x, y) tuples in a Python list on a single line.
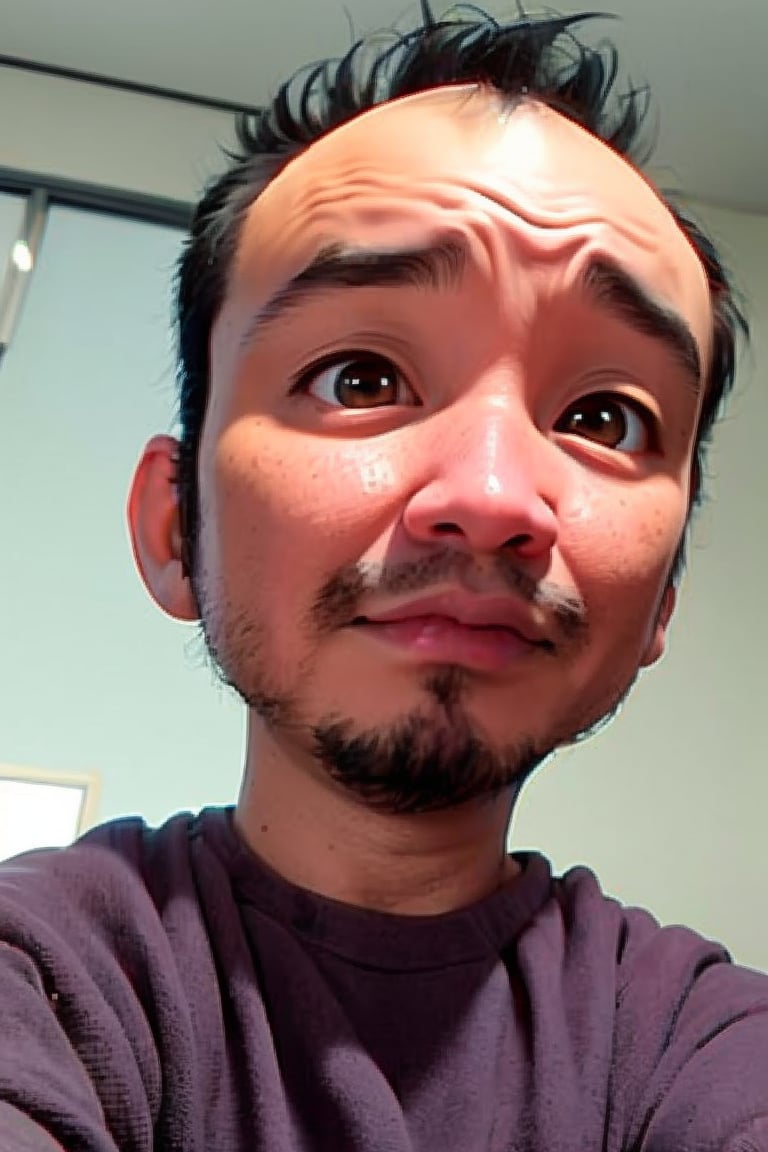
[(47, 1100), (20, 1134), (78, 1062), (692, 1049)]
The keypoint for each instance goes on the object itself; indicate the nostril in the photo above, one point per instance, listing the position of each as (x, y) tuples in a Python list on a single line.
[(446, 528), (518, 541)]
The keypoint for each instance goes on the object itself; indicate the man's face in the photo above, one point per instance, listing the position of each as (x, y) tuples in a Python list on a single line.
[(445, 464)]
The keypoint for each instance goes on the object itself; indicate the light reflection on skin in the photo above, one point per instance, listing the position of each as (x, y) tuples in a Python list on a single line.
[(377, 476)]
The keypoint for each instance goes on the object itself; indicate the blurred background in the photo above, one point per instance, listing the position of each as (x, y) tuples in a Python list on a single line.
[(113, 118)]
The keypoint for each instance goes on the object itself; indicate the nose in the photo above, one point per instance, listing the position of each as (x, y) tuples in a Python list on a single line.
[(490, 487)]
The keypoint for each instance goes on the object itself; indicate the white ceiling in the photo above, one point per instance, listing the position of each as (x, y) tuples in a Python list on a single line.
[(705, 59)]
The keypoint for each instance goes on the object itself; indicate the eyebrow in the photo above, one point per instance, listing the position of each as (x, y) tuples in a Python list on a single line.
[(616, 292), (438, 267)]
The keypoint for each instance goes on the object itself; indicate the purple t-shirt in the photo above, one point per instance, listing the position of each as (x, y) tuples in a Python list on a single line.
[(164, 990)]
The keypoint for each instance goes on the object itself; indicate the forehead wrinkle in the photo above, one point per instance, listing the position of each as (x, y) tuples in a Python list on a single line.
[(453, 136), (355, 197), (374, 196), (499, 245), (577, 230), (566, 212), (538, 199)]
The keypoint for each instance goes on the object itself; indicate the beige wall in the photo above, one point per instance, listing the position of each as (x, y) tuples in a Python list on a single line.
[(104, 136)]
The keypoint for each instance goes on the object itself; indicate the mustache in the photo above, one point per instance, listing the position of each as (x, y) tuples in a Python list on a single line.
[(340, 597)]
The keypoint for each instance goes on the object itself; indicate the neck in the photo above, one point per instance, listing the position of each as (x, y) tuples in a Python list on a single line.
[(314, 834)]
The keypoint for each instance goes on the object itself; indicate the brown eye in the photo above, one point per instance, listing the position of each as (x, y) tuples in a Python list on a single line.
[(362, 382), (612, 421)]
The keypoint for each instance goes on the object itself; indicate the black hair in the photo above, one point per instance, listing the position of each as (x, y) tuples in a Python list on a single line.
[(526, 58)]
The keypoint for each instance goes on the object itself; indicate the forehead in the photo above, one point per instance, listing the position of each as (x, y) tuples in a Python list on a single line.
[(524, 183)]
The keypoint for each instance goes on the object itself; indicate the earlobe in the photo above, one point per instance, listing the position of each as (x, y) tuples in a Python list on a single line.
[(657, 643), (153, 520)]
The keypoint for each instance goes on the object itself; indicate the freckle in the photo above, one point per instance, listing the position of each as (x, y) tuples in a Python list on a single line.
[(265, 827)]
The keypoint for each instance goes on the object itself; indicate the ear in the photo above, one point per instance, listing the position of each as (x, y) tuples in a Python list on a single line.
[(657, 643), (154, 524)]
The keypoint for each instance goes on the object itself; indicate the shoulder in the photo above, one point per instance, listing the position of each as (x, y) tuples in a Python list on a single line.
[(665, 988), (103, 948), (655, 965), (121, 887), (690, 1027), (654, 962), (116, 863), (631, 939), (85, 966)]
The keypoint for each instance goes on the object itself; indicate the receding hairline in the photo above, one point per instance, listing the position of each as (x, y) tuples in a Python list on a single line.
[(464, 99), (503, 108)]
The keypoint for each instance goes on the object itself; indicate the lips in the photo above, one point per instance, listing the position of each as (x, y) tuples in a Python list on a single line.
[(484, 634), (474, 612)]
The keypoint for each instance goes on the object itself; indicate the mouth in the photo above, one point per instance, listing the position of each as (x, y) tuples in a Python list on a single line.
[(440, 638)]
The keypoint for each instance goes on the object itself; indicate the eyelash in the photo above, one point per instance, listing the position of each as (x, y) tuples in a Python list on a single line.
[(593, 400)]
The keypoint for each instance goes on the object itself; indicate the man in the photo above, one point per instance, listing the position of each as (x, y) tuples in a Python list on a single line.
[(447, 364)]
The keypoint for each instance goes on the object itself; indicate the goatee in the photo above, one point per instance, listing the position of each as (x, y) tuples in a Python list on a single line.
[(431, 760)]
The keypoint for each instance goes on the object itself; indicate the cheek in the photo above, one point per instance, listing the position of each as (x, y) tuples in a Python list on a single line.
[(274, 494), (620, 543)]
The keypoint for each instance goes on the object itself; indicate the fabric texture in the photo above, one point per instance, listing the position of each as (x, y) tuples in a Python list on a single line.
[(164, 991)]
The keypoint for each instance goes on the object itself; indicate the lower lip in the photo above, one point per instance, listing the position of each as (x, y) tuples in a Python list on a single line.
[(441, 640)]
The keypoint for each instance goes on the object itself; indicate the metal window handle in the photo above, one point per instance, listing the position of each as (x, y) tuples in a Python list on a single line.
[(21, 265)]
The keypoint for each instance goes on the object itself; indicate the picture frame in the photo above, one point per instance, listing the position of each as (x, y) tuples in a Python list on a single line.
[(44, 809)]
